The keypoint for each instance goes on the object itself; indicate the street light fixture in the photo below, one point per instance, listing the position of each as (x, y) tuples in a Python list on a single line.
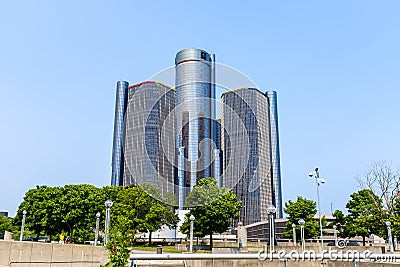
[(96, 233), (319, 181), (294, 233), (302, 222), (271, 210), (22, 225), (388, 224), (240, 234), (108, 204), (191, 218)]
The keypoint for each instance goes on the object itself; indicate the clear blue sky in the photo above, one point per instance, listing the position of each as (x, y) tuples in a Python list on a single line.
[(335, 65)]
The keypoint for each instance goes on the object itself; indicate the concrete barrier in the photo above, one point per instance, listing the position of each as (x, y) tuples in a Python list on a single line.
[(5, 249), (34, 254), (8, 236), (61, 254), (20, 253), (40, 254)]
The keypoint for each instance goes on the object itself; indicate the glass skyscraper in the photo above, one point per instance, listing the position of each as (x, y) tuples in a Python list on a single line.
[(171, 137), (247, 152), (194, 115), (148, 136)]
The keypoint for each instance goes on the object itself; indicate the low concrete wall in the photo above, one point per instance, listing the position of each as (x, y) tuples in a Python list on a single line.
[(257, 263), (34, 254)]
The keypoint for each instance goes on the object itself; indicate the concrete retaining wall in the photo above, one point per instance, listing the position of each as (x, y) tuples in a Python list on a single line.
[(34, 254)]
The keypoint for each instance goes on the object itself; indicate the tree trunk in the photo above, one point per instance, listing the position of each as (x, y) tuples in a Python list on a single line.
[(150, 237), (363, 240), (70, 231)]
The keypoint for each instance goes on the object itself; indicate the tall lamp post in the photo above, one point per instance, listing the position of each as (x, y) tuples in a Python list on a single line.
[(22, 225), (271, 210), (108, 204), (96, 233), (388, 224), (319, 181), (294, 234), (191, 218), (335, 234), (240, 234), (302, 222)]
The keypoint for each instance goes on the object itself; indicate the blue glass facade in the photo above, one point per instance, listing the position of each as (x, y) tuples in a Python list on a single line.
[(117, 165), (149, 136), (246, 151), (194, 111), (275, 154)]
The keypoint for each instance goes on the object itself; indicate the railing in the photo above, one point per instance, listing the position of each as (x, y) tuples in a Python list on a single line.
[(291, 255)]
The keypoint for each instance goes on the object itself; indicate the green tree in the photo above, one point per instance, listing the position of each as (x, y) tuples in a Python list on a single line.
[(121, 236), (5, 225), (301, 209), (157, 213), (132, 203), (41, 204), (76, 210), (395, 218), (70, 209), (383, 185), (340, 222), (157, 216), (142, 211), (364, 218), (212, 207)]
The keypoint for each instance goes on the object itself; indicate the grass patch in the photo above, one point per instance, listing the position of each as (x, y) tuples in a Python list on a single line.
[(153, 248)]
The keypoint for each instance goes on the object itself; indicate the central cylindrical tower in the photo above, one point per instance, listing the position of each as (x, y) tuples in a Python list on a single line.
[(194, 110)]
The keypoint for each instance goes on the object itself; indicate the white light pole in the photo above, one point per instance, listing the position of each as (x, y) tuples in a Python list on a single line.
[(318, 181), (294, 234), (335, 234), (271, 210), (388, 224), (96, 233), (191, 218), (22, 225), (302, 222), (240, 234), (108, 204)]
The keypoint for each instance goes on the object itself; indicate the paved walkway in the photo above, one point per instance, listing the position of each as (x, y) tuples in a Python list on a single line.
[(155, 263)]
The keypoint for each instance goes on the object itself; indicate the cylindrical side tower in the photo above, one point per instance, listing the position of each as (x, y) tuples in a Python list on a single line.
[(117, 165), (194, 112), (213, 107), (275, 154)]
